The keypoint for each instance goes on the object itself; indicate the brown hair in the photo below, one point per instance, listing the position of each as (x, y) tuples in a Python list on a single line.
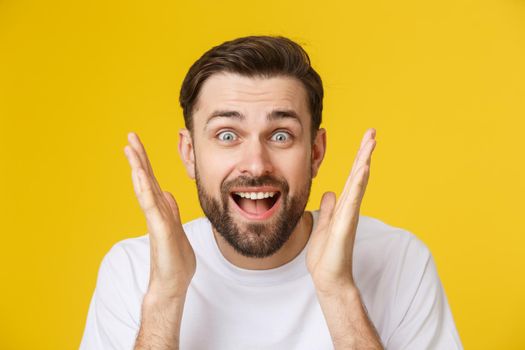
[(265, 56)]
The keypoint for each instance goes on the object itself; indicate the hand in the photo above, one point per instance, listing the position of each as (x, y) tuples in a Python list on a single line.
[(172, 260), (329, 258)]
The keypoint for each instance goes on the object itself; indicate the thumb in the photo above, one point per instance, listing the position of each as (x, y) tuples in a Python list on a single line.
[(173, 204), (326, 209)]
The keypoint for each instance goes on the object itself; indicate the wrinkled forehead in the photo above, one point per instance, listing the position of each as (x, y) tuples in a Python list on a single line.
[(252, 97)]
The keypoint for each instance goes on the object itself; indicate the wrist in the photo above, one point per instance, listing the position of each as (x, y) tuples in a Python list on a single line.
[(344, 289), (154, 297), (157, 306), (160, 293)]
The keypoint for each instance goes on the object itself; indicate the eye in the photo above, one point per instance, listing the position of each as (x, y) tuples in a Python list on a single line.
[(281, 136), (227, 136)]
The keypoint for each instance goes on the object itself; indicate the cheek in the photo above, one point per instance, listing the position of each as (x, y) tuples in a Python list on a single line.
[(295, 167), (213, 168)]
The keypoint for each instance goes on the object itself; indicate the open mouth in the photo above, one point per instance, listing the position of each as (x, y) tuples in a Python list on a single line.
[(256, 204)]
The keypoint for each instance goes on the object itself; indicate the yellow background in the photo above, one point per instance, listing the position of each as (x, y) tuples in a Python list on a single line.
[(443, 82)]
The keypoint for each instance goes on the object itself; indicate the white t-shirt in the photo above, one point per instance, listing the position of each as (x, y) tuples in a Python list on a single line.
[(230, 308)]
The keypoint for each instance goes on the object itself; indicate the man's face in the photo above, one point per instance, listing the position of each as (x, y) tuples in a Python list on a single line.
[(253, 159)]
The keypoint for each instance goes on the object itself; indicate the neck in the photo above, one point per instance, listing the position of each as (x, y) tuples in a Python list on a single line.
[(293, 247)]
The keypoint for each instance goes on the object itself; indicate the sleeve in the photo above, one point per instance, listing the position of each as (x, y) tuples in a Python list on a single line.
[(427, 322), (112, 318)]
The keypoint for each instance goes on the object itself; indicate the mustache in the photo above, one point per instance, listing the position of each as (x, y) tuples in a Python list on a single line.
[(265, 180)]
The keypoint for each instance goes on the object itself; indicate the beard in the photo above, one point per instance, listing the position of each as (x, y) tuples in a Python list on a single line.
[(255, 240)]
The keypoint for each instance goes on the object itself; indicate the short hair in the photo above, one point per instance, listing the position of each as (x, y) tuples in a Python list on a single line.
[(255, 56)]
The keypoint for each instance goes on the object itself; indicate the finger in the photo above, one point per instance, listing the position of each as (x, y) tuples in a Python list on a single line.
[(349, 206), (343, 228), (346, 212), (141, 152), (364, 158), (148, 193), (369, 135), (132, 157), (148, 199), (326, 209), (359, 187), (136, 183), (137, 149), (136, 164)]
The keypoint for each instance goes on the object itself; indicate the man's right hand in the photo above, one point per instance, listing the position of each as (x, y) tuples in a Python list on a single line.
[(172, 260)]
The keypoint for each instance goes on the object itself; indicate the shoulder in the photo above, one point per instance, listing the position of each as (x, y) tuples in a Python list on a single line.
[(388, 242), (391, 265), (388, 256), (403, 289)]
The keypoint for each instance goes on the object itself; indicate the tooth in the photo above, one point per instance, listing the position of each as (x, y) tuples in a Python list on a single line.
[(256, 195)]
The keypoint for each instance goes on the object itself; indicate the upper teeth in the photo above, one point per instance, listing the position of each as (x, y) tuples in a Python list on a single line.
[(255, 195)]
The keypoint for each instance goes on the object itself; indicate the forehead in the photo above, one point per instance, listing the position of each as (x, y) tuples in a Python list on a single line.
[(229, 91)]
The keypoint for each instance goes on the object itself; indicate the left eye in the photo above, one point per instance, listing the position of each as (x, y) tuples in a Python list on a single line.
[(227, 136), (281, 136)]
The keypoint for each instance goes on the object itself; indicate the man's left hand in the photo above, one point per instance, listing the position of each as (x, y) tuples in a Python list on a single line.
[(329, 258)]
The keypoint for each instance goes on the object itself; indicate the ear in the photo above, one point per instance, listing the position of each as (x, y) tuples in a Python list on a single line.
[(186, 152), (318, 151)]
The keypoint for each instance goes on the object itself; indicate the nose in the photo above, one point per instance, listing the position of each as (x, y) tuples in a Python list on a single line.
[(255, 160)]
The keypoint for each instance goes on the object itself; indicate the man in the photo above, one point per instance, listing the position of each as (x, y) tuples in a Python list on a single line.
[(260, 272)]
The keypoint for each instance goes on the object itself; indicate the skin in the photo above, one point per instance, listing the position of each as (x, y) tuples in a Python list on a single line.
[(254, 152)]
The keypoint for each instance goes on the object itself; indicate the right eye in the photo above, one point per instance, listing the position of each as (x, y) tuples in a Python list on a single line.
[(227, 136)]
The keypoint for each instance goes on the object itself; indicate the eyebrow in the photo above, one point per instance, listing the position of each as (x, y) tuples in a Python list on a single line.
[(275, 114)]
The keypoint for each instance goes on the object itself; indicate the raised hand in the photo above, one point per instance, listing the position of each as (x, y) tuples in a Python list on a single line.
[(329, 258), (172, 260)]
